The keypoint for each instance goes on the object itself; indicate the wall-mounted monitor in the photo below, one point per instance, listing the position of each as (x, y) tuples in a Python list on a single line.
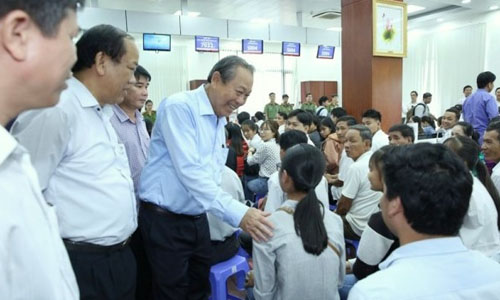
[(290, 49), (326, 52), (252, 46), (206, 43), (156, 42)]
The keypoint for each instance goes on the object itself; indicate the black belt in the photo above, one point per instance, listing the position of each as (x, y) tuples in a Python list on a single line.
[(160, 210), (88, 247)]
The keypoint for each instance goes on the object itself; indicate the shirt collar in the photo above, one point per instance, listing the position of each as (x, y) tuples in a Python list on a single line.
[(8, 143), (496, 168), (82, 93), (428, 247), (290, 203), (205, 104), (122, 115), (367, 153)]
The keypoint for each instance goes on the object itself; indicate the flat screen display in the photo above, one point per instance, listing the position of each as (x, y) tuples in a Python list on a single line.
[(206, 43), (252, 46), (326, 52), (291, 49), (156, 42)]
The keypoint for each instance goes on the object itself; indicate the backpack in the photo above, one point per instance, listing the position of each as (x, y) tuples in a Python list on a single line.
[(411, 112)]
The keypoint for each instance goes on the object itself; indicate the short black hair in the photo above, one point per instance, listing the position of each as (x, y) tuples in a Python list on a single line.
[(494, 126), (498, 88), (307, 94), (364, 132), (427, 119), (148, 101), (416, 94), (283, 114), (260, 115), (350, 120), (454, 111), (242, 117), (284, 96), (322, 100), (227, 68), (272, 93), (315, 119), (291, 138), (47, 14), (338, 112), (469, 130), (303, 116), (484, 78), (426, 95), (466, 87), (250, 124), (373, 114), (141, 71), (405, 130), (433, 184), (101, 38)]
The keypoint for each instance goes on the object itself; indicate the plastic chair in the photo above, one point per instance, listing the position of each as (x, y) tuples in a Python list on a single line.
[(354, 244), (333, 207), (220, 272)]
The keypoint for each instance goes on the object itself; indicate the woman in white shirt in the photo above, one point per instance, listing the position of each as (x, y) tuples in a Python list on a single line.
[(305, 258), (267, 156)]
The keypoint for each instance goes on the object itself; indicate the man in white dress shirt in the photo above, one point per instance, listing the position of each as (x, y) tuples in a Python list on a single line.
[(36, 55), (83, 167), (371, 119), (426, 196), (358, 200), (491, 150), (450, 118)]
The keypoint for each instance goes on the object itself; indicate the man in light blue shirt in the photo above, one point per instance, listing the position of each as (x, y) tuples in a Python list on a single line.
[(426, 196), (182, 181), (480, 107)]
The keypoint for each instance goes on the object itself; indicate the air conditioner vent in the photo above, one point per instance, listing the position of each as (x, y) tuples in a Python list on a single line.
[(327, 15)]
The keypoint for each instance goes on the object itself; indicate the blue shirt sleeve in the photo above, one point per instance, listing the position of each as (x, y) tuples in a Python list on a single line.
[(178, 127)]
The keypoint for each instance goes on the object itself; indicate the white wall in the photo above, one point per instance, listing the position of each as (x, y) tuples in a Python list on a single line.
[(443, 58), (172, 71)]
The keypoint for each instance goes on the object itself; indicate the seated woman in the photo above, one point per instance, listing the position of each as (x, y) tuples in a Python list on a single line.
[(236, 142), (305, 258), (267, 156), (330, 146)]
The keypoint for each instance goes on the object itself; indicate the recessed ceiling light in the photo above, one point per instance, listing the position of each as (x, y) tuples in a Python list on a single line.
[(493, 7), (335, 29), (193, 13), (414, 8), (465, 1)]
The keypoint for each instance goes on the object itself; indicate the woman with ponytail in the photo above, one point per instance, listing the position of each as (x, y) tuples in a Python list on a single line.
[(305, 258), (480, 228)]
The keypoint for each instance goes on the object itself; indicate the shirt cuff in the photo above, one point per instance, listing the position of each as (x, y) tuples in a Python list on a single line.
[(235, 211)]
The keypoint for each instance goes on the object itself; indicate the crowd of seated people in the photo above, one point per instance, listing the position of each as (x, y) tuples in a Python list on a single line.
[(421, 216)]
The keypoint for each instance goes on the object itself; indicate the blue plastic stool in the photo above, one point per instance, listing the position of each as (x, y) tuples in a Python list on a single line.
[(353, 243), (220, 272)]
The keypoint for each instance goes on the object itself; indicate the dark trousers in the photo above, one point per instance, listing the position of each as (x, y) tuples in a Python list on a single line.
[(246, 242), (144, 283), (179, 252), (348, 232), (224, 250), (104, 276)]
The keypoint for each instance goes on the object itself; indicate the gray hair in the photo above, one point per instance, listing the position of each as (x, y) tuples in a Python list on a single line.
[(227, 68), (364, 132)]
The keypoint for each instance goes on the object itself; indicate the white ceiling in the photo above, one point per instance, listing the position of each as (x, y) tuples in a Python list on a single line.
[(288, 12)]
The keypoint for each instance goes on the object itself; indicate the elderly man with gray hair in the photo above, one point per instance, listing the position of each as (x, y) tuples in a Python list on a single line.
[(358, 200), (181, 181)]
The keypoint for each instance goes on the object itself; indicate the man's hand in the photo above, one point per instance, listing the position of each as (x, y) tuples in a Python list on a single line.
[(256, 224)]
